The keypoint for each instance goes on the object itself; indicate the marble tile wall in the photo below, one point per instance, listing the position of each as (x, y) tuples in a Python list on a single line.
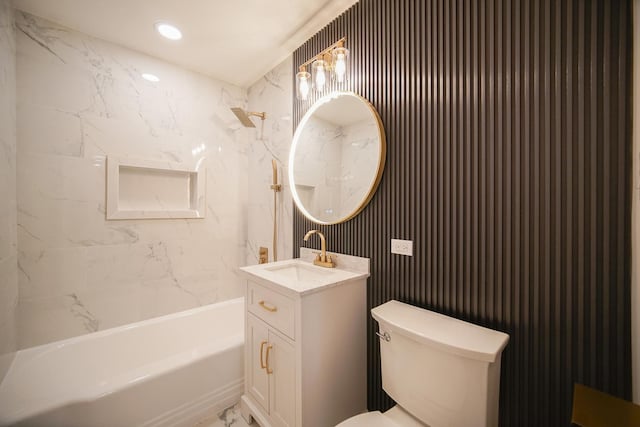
[(80, 100), (8, 236), (271, 94)]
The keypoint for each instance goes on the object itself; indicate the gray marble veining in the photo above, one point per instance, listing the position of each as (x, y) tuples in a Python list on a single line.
[(270, 140), (227, 418), (83, 99), (8, 209), (78, 309)]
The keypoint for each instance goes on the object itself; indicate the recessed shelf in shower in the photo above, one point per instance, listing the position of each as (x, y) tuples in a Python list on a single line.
[(138, 189)]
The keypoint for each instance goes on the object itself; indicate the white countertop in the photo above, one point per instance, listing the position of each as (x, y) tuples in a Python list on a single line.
[(312, 278)]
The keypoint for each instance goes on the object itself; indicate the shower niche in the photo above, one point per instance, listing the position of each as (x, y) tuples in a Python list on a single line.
[(145, 189)]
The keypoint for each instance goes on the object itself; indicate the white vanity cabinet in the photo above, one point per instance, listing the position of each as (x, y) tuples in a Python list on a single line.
[(270, 356), (305, 348)]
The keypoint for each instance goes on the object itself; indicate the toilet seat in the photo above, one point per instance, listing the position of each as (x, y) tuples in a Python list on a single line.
[(369, 419), (394, 417)]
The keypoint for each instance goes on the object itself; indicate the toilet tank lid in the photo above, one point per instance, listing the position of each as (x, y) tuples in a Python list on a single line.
[(444, 332)]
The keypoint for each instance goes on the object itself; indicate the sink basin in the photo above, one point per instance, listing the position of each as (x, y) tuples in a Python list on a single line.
[(301, 272)]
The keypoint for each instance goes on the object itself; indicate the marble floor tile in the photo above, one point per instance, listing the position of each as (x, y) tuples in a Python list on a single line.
[(230, 417)]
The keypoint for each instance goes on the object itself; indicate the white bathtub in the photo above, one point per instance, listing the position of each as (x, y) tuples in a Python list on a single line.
[(169, 371)]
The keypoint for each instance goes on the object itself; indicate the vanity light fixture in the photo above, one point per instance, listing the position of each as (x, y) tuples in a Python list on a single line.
[(331, 62), (168, 31)]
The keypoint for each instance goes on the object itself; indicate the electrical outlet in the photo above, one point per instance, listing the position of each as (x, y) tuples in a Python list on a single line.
[(402, 247)]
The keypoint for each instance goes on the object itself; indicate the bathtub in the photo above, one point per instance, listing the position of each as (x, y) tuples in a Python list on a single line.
[(173, 370)]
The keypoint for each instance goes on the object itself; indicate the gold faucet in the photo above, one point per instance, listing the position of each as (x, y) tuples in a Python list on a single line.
[(322, 259)]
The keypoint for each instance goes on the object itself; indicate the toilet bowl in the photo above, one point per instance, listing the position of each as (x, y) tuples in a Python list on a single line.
[(441, 371)]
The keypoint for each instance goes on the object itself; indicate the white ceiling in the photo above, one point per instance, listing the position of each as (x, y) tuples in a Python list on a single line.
[(236, 41)]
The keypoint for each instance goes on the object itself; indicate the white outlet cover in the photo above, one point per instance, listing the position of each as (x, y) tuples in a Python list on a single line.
[(402, 247)]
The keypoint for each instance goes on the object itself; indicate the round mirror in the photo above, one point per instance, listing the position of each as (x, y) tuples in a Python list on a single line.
[(336, 158)]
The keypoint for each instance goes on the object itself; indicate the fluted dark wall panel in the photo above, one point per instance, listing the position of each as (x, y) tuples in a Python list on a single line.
[(508, 165)]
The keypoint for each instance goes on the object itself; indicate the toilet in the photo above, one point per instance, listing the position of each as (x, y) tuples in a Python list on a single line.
[(440, 371)]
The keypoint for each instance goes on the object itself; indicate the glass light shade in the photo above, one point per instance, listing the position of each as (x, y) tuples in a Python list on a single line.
[(319, 70), (303, 84), (340, 56)]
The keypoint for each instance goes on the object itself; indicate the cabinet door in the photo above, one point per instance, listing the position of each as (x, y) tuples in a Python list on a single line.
[(282, 381), (256, 347)]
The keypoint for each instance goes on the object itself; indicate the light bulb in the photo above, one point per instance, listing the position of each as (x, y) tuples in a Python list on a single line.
[(341, 68), (319, 74), (304, 88), (340, 56), (302, 84), (320, 79)]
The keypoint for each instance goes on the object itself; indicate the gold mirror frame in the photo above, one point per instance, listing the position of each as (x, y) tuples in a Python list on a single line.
[(382, 153)]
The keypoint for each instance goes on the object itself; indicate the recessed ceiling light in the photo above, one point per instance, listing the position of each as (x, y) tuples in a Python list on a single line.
[(150, 77), (168, 31)]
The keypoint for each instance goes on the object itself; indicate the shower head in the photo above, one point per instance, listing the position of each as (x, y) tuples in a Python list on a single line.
[(243, 116)]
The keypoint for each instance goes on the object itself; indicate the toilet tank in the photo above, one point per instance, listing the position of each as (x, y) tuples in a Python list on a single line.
[(444, 371)]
